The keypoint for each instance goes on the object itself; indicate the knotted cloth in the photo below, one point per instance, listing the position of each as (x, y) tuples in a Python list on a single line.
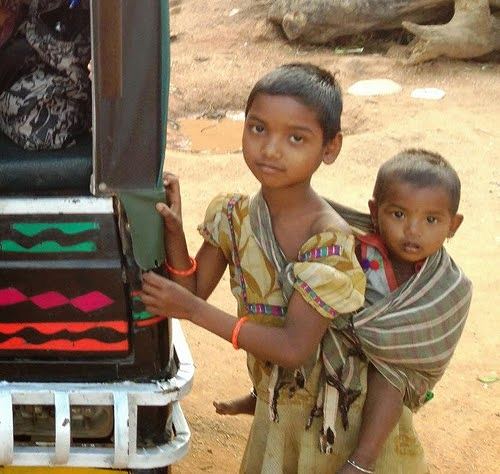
[(409, 336)]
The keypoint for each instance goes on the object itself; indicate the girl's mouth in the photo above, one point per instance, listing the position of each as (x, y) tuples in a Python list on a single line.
[(269, 168)]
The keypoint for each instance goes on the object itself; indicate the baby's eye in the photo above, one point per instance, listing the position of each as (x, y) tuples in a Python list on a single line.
[(431, 219), (296, 139), (398, 214), (257, 128)]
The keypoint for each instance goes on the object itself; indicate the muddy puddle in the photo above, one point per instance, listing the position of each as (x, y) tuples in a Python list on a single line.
[(207, 135)]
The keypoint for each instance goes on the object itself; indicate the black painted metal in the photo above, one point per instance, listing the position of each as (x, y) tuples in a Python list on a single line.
[(73, 275)]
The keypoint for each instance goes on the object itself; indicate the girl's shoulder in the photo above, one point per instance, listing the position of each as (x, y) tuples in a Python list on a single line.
[(329, 220), (225, 212), (332, 241), (328, 275), (223, 203)]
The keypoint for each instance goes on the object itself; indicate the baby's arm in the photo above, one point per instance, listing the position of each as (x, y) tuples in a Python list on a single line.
[(210, 260), (382, 410)]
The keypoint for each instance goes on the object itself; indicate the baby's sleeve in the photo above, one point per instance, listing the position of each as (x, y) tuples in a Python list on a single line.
[(328, 275)]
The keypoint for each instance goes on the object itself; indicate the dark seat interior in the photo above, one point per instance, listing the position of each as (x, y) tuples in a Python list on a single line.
[(34, 172)]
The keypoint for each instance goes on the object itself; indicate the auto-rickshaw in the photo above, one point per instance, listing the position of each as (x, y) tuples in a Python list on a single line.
[(88, 378)]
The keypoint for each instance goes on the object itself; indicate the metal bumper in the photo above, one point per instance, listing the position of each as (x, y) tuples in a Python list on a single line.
[(125, 397)]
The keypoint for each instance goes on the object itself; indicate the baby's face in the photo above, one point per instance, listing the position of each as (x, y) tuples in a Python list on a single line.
[(414, 222)]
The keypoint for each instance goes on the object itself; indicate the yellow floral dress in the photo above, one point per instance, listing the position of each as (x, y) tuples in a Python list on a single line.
[(329, 278)]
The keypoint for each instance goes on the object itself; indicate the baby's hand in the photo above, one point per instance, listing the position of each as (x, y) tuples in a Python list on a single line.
[(171, 212), (163, 297)]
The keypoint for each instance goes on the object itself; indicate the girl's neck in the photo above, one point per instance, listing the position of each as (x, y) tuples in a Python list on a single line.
[(292, 213), (289, 200)]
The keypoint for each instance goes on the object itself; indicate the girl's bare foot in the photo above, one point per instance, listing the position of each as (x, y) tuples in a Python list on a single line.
[(239, 406)]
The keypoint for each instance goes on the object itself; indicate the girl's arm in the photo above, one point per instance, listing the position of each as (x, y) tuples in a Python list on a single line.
[(210, 260), (381, 411), (287, 346)]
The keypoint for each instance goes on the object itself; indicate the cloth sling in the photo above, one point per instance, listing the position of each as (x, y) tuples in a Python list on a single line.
[(409, 336)]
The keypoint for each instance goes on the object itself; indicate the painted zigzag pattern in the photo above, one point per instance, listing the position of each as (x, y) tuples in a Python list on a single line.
[(87, 302), (82, 336), (25, 232), (74, 337)]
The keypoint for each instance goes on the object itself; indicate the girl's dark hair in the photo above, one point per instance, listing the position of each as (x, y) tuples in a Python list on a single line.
[(422, 169), (314, 87)]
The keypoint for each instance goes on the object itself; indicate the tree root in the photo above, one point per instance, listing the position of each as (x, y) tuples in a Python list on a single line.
[(473, 31)]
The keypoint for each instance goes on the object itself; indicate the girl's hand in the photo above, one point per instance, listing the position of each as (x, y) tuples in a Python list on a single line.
[(171, 212), (163, 297)]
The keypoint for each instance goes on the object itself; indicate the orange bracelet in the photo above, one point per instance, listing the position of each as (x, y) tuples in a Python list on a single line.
[(236, 331), (184, 273)]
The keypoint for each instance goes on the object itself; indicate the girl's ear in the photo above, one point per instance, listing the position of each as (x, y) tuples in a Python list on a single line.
[(455, 223), (332, 149), (372, 205)]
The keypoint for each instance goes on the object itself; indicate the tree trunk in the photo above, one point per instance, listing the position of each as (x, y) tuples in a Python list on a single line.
[(473, 31), (321, 21)]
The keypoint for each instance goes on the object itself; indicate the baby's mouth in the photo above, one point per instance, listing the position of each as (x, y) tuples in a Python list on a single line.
[(411, 247)]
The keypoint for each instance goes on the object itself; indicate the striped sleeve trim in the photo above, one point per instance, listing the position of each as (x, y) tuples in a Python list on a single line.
[(315, 299)]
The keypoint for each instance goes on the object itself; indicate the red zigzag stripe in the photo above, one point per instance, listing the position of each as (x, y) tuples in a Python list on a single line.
[(52, 328), (82, 345)]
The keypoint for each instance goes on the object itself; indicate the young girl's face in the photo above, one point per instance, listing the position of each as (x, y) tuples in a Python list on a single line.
[(414, 222), (283, 141)]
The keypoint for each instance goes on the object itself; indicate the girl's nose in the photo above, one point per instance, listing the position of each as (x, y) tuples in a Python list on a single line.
[(271, 149)]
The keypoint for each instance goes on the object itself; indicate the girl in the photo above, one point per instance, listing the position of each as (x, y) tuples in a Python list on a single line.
[(293, 270)]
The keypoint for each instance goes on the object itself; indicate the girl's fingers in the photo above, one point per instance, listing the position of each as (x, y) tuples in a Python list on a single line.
[(171, 183), (169, 214), (155, 281), (155, 310), (168, 176), (170, 179), (165, 211), (172, 191), (148, 299)]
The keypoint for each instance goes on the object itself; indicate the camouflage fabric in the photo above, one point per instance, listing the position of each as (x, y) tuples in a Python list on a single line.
[(49, 105)]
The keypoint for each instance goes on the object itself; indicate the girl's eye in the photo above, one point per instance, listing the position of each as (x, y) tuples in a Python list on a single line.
[(257, 128), (398, 214), (296, 139), (431, 219)]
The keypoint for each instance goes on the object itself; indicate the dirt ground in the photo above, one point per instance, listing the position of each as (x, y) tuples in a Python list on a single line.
[(218, 51)]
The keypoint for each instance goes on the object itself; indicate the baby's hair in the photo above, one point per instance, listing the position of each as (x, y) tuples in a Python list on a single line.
[(311, 85), (422, 169)]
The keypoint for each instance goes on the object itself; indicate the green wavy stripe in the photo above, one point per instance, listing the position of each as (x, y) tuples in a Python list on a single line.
[(47, 247), (138, 316), (30, 229)]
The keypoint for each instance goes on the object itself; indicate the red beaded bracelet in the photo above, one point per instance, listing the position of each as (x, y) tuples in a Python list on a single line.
[(236, 331), (184, 273)]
